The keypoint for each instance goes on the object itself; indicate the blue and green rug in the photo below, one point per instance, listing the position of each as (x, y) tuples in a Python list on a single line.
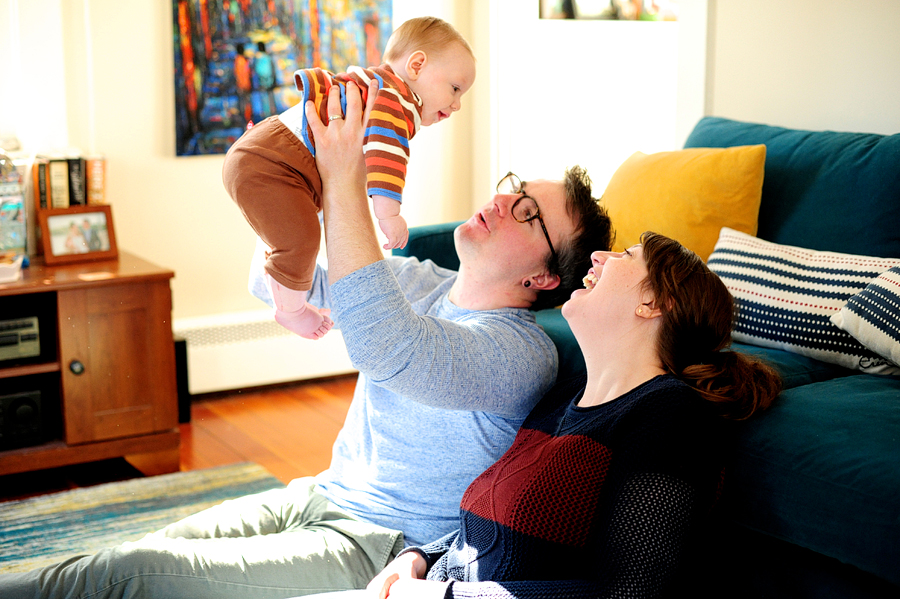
[(44, 530)]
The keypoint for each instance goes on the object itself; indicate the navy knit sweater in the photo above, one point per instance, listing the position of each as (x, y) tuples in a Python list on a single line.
[(588, 502)]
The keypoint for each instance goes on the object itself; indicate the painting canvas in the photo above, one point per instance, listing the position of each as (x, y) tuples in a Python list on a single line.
[(235, 59)]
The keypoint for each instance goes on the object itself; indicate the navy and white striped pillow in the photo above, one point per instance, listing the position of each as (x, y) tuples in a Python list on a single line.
[(787, 295), (872, 316)]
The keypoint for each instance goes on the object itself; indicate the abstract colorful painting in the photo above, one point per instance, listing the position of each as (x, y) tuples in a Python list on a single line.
[(235, 59)]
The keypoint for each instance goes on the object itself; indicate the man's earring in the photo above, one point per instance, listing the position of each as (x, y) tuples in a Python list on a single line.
[(528, 283)]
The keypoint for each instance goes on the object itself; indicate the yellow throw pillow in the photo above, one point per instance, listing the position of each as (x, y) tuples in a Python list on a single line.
[(688, 195)]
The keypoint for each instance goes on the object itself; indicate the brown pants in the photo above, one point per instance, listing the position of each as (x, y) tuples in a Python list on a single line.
[(273, 179)]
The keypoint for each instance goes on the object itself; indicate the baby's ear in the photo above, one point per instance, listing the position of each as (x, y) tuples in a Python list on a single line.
[(415, 63)]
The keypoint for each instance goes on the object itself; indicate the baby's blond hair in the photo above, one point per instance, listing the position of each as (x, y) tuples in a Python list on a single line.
[(429, 34)]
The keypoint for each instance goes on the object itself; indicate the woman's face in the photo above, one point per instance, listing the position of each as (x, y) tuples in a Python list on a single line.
[(614, 290)]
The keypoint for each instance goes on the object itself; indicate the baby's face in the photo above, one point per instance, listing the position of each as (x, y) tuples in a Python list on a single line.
[(444, 79)]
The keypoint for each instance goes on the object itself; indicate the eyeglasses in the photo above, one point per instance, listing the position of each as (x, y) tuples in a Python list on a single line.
[(525, 209)]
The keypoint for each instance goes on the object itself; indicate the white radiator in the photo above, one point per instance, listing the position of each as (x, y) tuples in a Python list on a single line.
[(248, 349)]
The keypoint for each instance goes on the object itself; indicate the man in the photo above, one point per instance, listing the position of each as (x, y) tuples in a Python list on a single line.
[(450, 363), (90, 236)]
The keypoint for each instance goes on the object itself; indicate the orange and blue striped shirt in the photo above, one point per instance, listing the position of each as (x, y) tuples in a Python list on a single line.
[(394, 120)]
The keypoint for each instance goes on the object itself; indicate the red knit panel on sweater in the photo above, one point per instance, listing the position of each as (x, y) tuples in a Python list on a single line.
[(544, 486)]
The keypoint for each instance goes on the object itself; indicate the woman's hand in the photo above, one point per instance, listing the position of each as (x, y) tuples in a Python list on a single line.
[(409, 566), (410, 588)]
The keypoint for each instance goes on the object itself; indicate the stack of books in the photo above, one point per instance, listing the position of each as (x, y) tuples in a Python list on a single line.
[(13, 234), (60, 181)]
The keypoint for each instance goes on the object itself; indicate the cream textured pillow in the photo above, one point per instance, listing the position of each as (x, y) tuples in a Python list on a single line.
[(688, 195), (786, 298)]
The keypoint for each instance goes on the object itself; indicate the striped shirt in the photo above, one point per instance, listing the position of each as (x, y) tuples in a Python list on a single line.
[(394, 120)]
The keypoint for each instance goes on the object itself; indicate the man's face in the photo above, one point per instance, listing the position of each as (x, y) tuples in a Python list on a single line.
[(492, 240)]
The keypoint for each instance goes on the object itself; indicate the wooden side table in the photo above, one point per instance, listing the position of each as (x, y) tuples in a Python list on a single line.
[(106, 369)]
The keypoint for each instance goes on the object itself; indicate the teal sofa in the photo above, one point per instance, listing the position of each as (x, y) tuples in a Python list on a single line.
[(811, 506)]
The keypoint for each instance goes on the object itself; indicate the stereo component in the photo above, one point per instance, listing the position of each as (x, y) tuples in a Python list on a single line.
[(21, 423), (19, 338)]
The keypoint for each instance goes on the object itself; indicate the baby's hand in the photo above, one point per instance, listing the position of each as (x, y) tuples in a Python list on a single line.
[(394, 227)]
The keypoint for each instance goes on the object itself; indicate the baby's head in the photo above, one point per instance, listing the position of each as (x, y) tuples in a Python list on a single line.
[(435, 61)]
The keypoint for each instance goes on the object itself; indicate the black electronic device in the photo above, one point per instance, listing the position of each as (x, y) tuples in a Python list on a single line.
[(21, 422)]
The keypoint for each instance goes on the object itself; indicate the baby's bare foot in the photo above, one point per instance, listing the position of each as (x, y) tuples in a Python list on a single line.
[(308, 322)]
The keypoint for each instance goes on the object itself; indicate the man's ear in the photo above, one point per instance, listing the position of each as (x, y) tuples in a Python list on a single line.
[(415, 63), (543, 282)]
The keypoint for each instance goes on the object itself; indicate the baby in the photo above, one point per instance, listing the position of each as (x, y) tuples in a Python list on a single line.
[(270, 172)]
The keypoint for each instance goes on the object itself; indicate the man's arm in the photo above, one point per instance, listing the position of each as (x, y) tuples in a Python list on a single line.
[(350, 240), (439, 362)]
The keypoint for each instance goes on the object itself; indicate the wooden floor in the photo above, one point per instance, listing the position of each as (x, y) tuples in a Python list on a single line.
[(288, 430)]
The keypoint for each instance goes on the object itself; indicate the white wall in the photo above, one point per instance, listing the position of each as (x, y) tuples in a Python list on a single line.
[(591, 92), (813, 64), (32, 77)]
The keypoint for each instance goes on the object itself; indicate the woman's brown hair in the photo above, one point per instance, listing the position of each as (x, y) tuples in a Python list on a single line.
[(698, 313)]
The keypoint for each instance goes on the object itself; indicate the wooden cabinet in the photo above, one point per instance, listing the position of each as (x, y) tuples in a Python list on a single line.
[(107, 384)]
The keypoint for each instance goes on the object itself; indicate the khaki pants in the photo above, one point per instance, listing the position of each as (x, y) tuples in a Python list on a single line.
[(273, 179), (280, 543)]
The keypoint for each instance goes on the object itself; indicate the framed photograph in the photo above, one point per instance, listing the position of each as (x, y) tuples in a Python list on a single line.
[(78, 234)]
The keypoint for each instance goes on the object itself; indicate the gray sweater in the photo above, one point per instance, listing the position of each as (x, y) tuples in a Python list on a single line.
[(441, 393)]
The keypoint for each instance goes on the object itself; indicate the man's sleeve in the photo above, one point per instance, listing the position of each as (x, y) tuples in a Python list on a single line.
[(497, 361)]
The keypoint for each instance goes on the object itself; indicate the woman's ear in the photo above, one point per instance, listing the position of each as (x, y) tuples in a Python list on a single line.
[(415, 63), (648, 310)]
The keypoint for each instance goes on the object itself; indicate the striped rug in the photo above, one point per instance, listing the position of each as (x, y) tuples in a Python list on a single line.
[(44, 530)]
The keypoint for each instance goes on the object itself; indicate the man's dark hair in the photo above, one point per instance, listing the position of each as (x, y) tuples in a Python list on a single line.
[(593, 232)]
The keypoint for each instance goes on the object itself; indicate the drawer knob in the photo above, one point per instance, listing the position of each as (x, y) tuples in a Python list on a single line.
[(76, 367)]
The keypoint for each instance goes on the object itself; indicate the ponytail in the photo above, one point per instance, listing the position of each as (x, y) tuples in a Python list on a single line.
[(697, 316), (738, 384)]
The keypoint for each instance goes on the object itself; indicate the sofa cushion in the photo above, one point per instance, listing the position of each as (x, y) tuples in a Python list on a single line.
[(819, 468), (823, 190), (571, 360), (872, 316), (688, 195), (795, 369), (786, 296)]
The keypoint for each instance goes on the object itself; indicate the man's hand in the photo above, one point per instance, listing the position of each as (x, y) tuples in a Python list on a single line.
[(339, 144), (350, 240)]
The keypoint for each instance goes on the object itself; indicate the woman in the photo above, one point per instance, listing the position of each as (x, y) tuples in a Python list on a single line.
[(609, 478)]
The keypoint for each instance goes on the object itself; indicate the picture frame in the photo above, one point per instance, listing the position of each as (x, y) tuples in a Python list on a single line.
[(78, 234)]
